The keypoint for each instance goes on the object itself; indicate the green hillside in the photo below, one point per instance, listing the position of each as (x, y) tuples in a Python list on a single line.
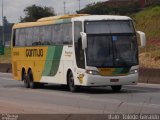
[(148, 20)]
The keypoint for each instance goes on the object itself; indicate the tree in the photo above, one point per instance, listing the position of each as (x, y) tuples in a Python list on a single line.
[(33, 13), (5, 21), (103, 8)]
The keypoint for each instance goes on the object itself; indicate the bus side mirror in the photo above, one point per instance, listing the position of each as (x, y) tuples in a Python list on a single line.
[(142, 38), (84, 40)]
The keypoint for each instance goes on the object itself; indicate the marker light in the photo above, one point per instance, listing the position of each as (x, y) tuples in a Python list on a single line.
[(92, 72), (133, 71)]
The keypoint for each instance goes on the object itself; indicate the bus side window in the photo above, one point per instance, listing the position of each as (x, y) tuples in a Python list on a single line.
[(67, 33), (14, 38), (79, 52), (29, 36), (16, 35), (35, 39)]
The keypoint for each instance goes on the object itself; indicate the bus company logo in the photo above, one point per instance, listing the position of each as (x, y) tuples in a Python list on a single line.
[(34, 52), (68, 53)]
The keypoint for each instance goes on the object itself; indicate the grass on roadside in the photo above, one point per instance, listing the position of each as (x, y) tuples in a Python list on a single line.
[(6, 58), (148, 20)]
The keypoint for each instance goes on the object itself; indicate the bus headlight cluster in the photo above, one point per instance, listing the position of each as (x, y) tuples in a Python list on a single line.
[(92, 72), (134, 71)]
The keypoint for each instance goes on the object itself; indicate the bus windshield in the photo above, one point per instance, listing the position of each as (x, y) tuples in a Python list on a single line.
[(100, 27), (112, 48)]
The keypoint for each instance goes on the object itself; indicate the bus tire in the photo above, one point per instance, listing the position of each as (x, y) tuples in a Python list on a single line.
[(32, 84), (116, 87), (39, 85), (71, 84), (25, 80)]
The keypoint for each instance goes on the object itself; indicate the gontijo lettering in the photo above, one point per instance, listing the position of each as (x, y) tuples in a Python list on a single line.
[(34, 52)]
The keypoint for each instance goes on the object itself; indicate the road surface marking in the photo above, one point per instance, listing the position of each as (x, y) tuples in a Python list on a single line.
[(6, 78), (5, 73)]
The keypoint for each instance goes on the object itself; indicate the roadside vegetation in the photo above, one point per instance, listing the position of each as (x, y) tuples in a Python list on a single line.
[(105, 8), (148, 20), (6, 58)]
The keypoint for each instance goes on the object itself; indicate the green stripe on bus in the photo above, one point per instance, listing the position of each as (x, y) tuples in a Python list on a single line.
[(53, 60), (117, 71), (61, 21), (121, 71)]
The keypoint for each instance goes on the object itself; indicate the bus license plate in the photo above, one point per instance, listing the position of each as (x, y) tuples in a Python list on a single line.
[(114, 80)]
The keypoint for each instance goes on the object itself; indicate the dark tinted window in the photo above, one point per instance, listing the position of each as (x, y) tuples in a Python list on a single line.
[(36, 33), (112, 51), (58, 34), (79, 52), (17, 37), (100, 27), (67, 33), (62, 34), (29, 36)]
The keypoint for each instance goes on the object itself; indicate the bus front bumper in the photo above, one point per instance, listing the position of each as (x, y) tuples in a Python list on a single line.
[(97, 80)]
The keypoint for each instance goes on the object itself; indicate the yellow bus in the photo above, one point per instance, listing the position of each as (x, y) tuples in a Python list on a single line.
[(76, 50)]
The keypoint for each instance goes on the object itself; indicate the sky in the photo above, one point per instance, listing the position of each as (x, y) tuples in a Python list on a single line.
[(13, 9)]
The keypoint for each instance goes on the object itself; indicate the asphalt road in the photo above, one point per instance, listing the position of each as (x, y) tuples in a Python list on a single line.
[(14, 98)]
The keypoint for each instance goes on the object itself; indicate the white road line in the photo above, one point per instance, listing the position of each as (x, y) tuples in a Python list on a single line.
[(146, 84), (5, 73), (5, 78), (131, 89)]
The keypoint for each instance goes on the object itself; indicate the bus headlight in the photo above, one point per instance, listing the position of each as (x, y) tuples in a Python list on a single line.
[(92, 72), (134, 71)]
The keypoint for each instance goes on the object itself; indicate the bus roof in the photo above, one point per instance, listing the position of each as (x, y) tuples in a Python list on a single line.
[(69, 18), (60, 17), (100, 17), (48, 21)]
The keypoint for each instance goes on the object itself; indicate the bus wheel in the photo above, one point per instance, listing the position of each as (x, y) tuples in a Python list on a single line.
[(71, 84), (32, 84), (116, 88), (25, 80)]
